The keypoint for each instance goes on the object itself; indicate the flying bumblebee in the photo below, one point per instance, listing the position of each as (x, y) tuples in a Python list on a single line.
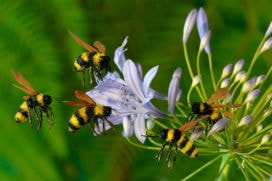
[(213, 110), (179, 140), (33, 102), (95, 59), (89, 111)]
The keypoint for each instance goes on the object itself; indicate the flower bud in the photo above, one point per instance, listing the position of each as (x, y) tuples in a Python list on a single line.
[(269, 30), (205, 40), (252, 95), (225, 83), (218, 126), (226, 71), (265, 138), (238, 66), (189, 24), (245, 120), (267, 45), (195, 81)]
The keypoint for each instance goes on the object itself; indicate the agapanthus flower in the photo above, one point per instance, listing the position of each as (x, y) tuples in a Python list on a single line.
[(129, 95)]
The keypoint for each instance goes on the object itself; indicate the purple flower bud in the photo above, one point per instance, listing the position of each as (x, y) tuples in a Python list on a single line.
[(189, 24)]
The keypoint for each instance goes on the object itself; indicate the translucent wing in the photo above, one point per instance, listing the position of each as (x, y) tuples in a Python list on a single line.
[(192, 124), (85, 97), (226, 105), (82, 43), (27, 88), (100, 46), (226, 113), (220, 94), (76, 103)]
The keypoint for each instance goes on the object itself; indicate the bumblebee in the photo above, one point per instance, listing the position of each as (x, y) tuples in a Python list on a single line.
[(177, 139), (89, 111), (35, 102), (95, 59), (213, 110)]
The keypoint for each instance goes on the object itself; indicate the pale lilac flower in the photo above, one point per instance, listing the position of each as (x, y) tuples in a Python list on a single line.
[(238, 66), (245, 120), (252, 95), (174, 90), (218, 126), (226, 71), (119, 56), (128, 97), (202, 26), (189, 24), (267, 45), (269, 30), (225, 83), (205, 40)]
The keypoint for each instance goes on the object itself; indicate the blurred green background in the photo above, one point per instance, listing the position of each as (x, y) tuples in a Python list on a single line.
[(34, 41)]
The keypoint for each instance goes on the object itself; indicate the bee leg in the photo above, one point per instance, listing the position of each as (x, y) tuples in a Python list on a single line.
[(40, 118), (97, 126), (83, 79), (176, 153), (169, 153), (159, 154), (29, 116), (110, 123), (49, 115)]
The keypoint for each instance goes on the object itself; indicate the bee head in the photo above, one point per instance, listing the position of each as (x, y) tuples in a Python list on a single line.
[(195, 107), (164, 134), (107, 111), (47, 99), (104, 62)]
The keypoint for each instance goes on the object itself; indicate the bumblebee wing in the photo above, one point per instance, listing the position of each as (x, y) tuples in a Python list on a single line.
[(77, 103), (26, 97), (85, 97), (100, 46), (220, 94), (82, 43), (21, 80), (226, 113), (192, 124), (226, 105)]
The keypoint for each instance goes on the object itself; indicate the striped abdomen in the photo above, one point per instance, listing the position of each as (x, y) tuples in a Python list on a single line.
[(181, 140), (22, 113), (79, 118)]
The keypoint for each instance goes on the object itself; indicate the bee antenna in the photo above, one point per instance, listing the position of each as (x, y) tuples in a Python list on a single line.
[(152, 136)]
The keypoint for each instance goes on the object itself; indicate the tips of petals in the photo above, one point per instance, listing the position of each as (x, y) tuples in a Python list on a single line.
[(226, 71), (267, 45), (252, 95), (189, 24), (238, 66), (205, 41), (269, 30), (202, 22), (245, 120)]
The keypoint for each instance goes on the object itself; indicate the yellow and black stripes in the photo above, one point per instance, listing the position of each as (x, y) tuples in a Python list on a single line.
[(85, 114), (180, 140), (23, 113)]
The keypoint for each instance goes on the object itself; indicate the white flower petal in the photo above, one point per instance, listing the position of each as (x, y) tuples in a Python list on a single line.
[(119, 55), (148, 78), (132, 78), (139, 128)]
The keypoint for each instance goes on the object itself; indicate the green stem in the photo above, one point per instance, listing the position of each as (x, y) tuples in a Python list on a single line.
[(211, 70), (224, 167), (200, 76), (201, 168)]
